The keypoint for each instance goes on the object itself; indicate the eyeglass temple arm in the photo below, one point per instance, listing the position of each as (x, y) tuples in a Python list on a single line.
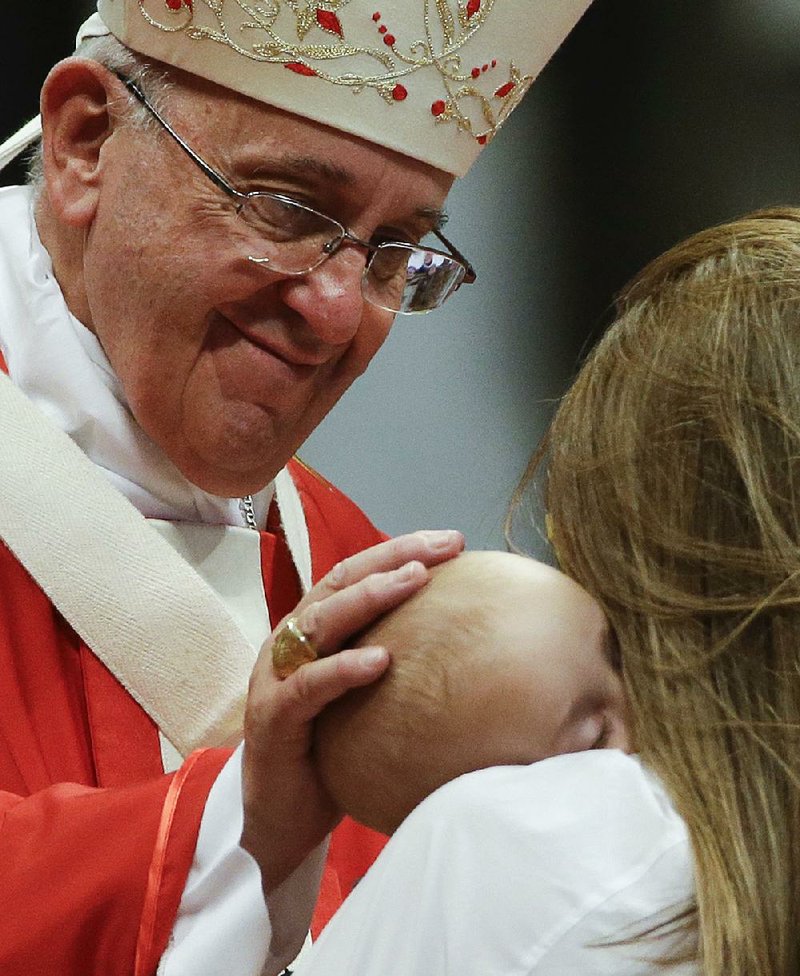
[(223, 185), (471, 273), (212, 174)]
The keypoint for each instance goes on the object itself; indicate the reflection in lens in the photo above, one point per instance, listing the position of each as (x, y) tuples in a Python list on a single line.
[(408, 279)]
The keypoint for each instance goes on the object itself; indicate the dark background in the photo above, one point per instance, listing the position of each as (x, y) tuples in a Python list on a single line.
[(656, 118), (674, 114)]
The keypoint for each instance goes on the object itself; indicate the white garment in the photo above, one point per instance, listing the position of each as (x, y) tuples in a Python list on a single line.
[(520, 871), (60, 366)]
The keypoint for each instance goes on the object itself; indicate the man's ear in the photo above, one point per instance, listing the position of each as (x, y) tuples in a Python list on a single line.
[(77, 118)]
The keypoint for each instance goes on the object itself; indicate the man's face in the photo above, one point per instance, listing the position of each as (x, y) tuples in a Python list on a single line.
[(227, 366)]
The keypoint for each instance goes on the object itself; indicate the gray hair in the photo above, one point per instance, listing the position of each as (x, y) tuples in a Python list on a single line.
[(152, 77)]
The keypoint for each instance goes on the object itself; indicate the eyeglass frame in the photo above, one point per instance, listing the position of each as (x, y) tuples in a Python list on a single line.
[(329, 249)]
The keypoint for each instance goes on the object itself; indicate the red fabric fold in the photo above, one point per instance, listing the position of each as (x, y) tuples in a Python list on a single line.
[(96, 843), (76, 869), (173, 849)]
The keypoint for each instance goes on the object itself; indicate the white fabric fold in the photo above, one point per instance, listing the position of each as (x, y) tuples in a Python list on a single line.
[(152, 620), (295, 527), (61, 367), (93, 26), (22, 140), (542, 870), (225, 875)]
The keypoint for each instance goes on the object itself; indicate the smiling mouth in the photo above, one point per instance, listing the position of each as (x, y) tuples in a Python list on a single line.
[(301, 364)]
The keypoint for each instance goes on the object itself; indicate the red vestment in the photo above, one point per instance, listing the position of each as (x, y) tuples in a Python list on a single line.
[(95, 841)]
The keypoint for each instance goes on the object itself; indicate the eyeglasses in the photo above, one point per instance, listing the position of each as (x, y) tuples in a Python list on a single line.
[(296, 239)]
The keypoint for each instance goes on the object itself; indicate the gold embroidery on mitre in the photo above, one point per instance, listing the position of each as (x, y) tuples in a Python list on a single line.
[(310, 38)]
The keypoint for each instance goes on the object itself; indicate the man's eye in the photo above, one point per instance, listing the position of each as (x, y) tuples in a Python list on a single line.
[(280, 218)]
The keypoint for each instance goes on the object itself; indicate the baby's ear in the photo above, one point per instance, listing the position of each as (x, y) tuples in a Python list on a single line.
[(76, 121)]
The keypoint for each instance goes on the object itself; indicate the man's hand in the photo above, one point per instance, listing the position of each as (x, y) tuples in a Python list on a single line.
[(286, 809)]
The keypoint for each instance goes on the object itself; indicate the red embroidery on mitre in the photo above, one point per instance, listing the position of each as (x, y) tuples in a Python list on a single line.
[(300, 69), (459, 22), (328, 21), (388, 38)]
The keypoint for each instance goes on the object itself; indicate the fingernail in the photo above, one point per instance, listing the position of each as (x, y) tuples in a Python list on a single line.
[(442, 539), (370, 656)]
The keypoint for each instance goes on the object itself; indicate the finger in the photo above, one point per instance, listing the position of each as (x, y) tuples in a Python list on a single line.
[(428, 547), (312, 687), (330, 622)]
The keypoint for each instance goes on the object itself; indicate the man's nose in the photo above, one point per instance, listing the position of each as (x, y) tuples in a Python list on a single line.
[(330, 298)]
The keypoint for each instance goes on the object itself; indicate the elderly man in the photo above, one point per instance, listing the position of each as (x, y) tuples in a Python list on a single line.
[(226, 216)]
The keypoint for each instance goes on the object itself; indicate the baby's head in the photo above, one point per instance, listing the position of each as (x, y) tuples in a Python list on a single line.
[(499, 660)]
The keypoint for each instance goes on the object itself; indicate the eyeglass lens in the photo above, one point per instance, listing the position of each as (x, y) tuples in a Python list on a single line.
[(410, 279), (398, 277)]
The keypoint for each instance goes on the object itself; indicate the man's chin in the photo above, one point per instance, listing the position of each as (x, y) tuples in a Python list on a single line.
[(233, 484), (225, 479), (240, 460)]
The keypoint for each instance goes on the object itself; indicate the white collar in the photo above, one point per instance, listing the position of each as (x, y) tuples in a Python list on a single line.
[(59, 364)]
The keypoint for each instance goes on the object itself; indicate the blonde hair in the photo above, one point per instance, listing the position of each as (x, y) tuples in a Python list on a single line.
[(673, 496)]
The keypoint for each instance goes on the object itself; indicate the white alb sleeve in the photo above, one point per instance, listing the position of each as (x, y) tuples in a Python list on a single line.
[(223, 926)]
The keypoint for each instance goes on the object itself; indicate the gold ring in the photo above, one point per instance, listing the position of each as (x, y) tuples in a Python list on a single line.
[(291, 648)]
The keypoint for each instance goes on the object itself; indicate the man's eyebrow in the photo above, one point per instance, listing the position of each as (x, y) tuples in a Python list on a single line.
[(435, 216), (308, 165)]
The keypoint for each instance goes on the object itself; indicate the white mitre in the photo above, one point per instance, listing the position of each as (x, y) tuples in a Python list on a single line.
[(432, 79)]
